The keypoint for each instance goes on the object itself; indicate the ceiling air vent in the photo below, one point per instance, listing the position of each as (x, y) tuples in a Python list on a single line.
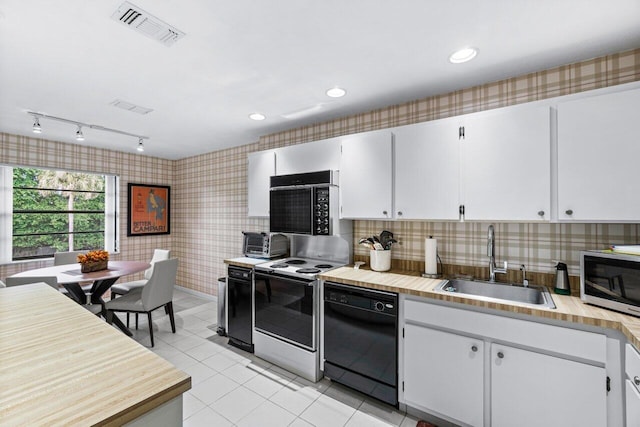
[(131, 107), (137, 19)]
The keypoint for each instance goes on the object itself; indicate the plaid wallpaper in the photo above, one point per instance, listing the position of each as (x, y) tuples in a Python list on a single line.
[(37, 152), (209, 192)]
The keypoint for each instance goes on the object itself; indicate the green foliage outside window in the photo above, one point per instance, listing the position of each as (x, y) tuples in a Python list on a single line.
[(56, 211)]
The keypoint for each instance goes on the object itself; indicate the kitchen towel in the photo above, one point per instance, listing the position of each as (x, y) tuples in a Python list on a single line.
[(431, 255)]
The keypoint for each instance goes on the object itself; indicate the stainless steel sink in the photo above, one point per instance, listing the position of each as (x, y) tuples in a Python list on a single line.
[(537, 296)]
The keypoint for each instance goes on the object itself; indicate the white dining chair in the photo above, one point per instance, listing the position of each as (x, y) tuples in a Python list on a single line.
[(17, 281), (156, 293), (64, 258), (125, 288)]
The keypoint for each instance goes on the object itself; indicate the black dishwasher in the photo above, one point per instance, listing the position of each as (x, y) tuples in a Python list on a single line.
[(360, 340), (239, 307)]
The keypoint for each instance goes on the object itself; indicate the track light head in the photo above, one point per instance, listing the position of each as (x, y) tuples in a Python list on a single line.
[(140, 145), (79, 135), (36, 125)]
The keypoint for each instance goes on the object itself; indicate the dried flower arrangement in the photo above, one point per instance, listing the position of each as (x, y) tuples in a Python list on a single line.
[(93, 260)]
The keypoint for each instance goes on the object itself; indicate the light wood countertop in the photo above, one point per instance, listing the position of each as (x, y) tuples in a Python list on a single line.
[(61, 365), (568, 308), (245, 261)]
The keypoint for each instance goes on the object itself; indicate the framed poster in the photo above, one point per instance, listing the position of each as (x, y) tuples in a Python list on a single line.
[(149, 210)]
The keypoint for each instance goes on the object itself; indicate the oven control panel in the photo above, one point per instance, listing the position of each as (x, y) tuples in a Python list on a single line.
[(321, 211)]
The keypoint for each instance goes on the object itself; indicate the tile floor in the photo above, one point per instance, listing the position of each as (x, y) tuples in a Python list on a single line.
[(233, 388)]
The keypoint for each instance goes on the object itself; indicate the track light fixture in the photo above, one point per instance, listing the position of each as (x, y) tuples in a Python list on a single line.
[(79, 135), (36, 125)]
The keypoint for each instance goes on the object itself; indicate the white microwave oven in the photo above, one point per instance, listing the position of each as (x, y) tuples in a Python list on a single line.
[(611, 280)]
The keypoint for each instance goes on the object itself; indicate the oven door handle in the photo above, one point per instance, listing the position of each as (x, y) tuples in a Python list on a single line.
[(269, 275)]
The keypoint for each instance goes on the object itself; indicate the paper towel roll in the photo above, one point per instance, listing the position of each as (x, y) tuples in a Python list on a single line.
[(431, 256)]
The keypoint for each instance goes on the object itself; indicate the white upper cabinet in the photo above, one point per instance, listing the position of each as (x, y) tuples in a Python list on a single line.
[(506, 164), (598, 157), (262, 165), (309, 157), (366, 176), (427, 171)]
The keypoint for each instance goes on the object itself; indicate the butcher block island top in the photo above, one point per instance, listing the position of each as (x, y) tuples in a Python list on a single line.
[(62, 365), (568, 308)]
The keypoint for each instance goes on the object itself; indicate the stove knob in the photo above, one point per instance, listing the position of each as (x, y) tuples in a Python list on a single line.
[(378, 306), (343, 299)]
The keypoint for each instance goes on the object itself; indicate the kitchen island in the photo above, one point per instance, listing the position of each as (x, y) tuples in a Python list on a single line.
[(62, 365)]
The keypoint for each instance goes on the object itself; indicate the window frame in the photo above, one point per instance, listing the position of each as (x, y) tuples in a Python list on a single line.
[(110, 229)]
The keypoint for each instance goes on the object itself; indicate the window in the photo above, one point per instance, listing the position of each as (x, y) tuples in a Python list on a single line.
[(56, 211)]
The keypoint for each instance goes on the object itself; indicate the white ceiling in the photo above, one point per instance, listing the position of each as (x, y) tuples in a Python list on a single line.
[(70, 59)]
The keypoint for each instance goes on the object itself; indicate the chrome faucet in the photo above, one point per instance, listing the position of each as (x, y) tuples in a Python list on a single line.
[(491, 248)]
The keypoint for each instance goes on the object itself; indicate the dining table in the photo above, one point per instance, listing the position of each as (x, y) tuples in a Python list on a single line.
[(71, 276)]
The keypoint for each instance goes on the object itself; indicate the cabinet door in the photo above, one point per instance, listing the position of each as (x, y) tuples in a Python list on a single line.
[(262, 165), (533, 389), (598, 152), (366, 176), (633, 404), (443, 373), (427, 172), (506, 163), (309, 157)]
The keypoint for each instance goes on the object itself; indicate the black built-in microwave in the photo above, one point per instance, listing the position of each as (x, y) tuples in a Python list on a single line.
[(305, 203)]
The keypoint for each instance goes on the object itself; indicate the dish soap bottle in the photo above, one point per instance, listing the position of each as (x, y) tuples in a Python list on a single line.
[(562, 280)]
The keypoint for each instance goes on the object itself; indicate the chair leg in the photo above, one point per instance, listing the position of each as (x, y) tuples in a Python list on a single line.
[(136, 321), (109, 316), (150, 327), (169, 308), (127, 319)]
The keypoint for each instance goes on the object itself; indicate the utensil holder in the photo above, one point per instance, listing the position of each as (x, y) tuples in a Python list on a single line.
[(380, 260)]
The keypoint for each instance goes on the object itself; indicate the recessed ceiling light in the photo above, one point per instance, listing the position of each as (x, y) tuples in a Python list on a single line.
[(257, 116), (336, 92), (463, 55)]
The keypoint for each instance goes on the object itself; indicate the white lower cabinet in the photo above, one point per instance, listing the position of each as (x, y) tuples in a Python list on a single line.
[(534, 389), (480, 369), (444, 370), (632, 385)]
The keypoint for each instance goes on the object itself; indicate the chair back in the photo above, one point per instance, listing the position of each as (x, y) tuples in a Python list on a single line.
[(159, 289), (64, 258), (158, 255), (49, 280)]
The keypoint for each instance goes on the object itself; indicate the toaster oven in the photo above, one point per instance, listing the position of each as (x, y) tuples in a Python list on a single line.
[(264, 245)]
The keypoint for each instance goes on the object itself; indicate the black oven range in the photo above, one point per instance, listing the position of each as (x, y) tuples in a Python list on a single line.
[(287, 308)]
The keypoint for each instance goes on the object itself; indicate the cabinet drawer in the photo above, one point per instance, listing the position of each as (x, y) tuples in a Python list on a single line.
[(570, 342), (632, 364)]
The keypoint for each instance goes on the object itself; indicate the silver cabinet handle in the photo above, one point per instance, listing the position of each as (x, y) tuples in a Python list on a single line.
[(474, 348), (540, 213), (500, 355), (569, 212), (636, 380)]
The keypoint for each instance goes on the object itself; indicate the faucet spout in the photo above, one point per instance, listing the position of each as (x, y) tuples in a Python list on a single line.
[(491, 249)]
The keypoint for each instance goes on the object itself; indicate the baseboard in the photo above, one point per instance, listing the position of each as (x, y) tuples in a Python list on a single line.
[(197, 293)]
